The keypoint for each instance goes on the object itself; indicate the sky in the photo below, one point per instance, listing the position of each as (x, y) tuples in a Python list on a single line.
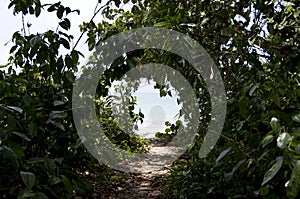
[(156, 110), (44, 22)]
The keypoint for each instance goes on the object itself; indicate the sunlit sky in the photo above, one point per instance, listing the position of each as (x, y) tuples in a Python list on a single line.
[(156, 110), (46, 21)]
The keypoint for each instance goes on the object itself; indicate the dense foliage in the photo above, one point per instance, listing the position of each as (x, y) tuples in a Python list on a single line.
[(255, 45)]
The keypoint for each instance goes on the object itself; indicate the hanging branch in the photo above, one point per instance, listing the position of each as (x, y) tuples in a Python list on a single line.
[(24, 30), (95, 13)]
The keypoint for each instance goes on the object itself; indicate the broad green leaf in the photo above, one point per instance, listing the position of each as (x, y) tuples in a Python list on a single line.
[(65, 43), (223, 154), (275, 125), (65, 24), (91, 43), (69, 61), (17, 148), (54, 180), (67, 184), (296, 118), (252, 90), (7, 153), (75, 57), (68, 10), (15, 109), (37, 10), (267, 140), (60, 12), (31, 10), (28, 194), (269, 175), (283, 140), (293, 186), (28, 179)]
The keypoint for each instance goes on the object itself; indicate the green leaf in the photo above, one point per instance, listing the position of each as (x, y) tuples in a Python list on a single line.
[(37, 10), (2, 87), (57, 114), (54, 180), (69, 76), (267, 140), (293, 186), (65, 43), (240, 125), (68, 10), (296, 118), (59, 125), (28, 194), (60, 12), (31, 10), (53, 7), (69, 61), (28, 179), (58, 103), (269, 175), (65, 24), (275, 125), (40, 195), (17, 148), (21, 135), (283, 140), (117, 2), (67, 184), (15, 108), (35, 41), (75, 57), (252, 90), (11, 123), (223, 154), (141, 114), (7, 153), (162, 93), (263, 191), (13, 49), (91, 43)]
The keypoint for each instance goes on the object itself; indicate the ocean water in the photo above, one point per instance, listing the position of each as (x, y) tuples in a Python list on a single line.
[(157, 110)]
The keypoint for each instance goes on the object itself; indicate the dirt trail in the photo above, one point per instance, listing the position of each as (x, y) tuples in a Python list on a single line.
[(138, 185)]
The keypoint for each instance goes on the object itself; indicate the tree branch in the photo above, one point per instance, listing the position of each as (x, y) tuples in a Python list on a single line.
[(95, 13)]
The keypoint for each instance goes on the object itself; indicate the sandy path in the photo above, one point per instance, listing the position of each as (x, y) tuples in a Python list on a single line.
[(138, 185)]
